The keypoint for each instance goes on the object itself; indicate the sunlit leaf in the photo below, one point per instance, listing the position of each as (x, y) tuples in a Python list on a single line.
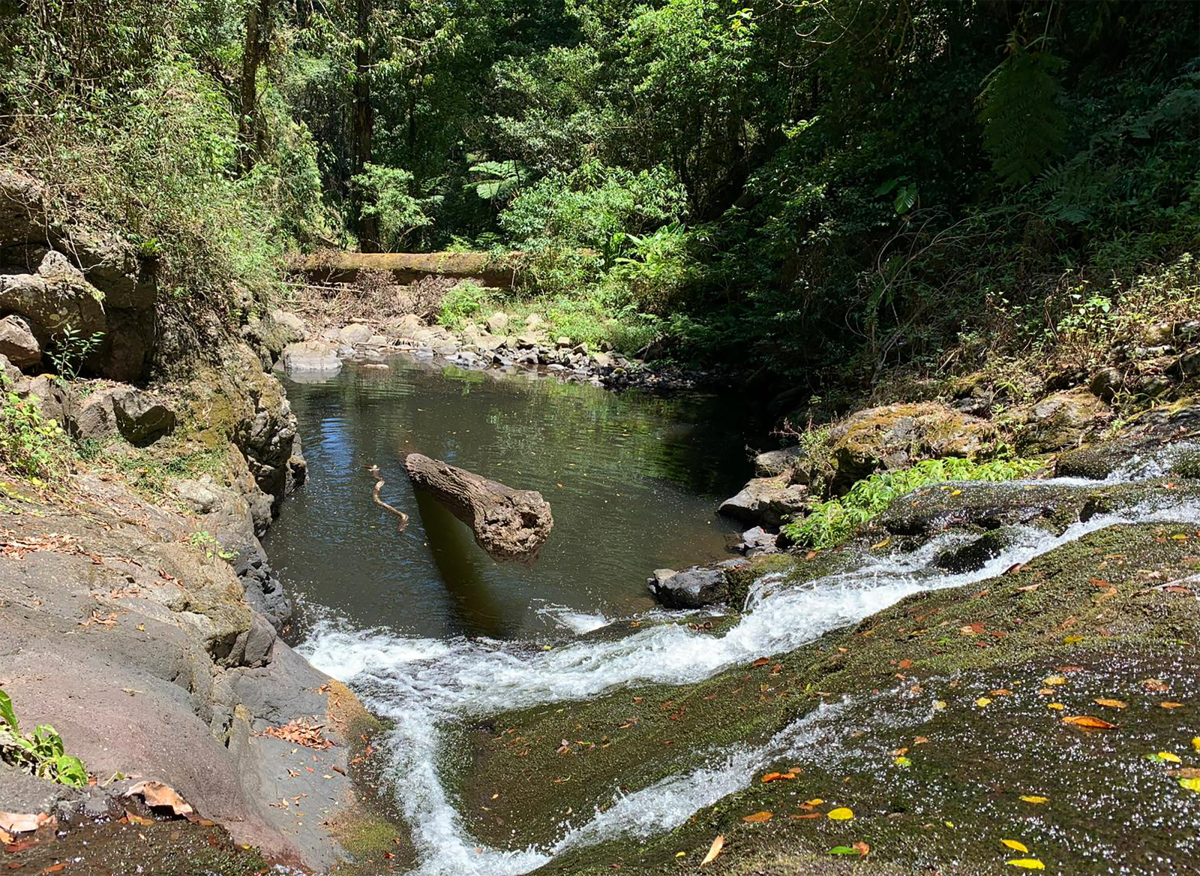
[(1026, 863), (1058, 706), (841, 814), (938, 705), (1088, 721), (714, 850), (983, 702), (1033, 798), (1054, 679), (902, 762), (1196, 742), (1166, 757), (1111, 704), (1192, 784), (1015, 846), (758, 817), (1169, 705)]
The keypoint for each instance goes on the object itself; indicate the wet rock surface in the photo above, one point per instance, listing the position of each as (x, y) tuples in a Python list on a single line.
[(134, 639), (696, 587)]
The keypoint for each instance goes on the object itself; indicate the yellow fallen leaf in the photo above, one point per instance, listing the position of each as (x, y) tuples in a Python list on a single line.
[(1058, 706), (714, 850), (815, 801), (1026, 863), (1054, 679), (841, 814), (1071, 640), (983, 702), (1169, 757), (1191, 784), (1111, 704), (681, 854), (938, 705), (950, 824), (1033, 798), (1171, 705), (1015, 846), (758, 817), (1088, 721), (1196, 742)]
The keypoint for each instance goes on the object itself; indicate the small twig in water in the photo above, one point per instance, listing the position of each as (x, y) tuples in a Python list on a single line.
[(379, 482)]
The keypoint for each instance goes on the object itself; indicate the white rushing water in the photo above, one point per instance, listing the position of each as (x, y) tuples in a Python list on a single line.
[(425, 683)]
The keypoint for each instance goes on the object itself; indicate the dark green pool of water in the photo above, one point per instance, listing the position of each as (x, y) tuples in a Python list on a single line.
[(633, 480)]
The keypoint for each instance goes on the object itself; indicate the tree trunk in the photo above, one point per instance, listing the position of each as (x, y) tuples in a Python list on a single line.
[(258, 29), (508, 524), (362, 129)]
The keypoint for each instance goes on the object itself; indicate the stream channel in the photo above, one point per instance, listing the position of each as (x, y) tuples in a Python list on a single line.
[(431, 633)]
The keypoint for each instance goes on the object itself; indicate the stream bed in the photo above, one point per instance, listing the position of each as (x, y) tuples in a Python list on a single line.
[(438, 645)]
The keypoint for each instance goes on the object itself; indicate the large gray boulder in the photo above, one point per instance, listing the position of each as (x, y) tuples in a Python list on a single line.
[(310, 358), (94, 418), (691, 588), (773, 463), (497, 323), (1063, 420), (141, 417), (354, 334), (766, 501), (18, 343)]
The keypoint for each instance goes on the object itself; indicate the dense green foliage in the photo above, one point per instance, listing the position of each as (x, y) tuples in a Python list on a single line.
[(827, 188), (833, 522), (30, 443)]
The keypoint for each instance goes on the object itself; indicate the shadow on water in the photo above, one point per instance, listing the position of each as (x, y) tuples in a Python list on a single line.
[(633, 480)]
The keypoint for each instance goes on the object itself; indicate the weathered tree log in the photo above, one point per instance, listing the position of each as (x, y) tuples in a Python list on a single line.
[(508, 524)]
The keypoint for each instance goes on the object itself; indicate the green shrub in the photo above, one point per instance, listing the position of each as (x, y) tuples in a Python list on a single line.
[(40, 753), (30, 444), (833, 522), (460, 303)]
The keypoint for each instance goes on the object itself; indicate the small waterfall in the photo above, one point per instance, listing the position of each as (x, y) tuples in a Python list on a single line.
[(424, 683)]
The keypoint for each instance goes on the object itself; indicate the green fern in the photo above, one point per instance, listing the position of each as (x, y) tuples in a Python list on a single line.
[(1023, 125)]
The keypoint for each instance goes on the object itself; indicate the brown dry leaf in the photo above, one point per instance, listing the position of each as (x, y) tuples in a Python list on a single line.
[(1099, 582), (1155, 685), (134, 818), (300, 733), (862, 848), (758, 817), (1111, 704), (1088, 721), (761, 661), (1029, 588), (905, 664), (714, 850), (807, 815), (19, 822), (157, 794)]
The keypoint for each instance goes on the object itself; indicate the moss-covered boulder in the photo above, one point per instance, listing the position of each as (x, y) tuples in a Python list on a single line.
[(899, 435)]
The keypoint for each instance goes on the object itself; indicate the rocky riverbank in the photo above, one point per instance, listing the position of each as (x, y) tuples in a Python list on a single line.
[(141, 617)]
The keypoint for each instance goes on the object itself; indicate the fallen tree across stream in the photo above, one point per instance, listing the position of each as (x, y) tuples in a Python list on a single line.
[(510, 525)]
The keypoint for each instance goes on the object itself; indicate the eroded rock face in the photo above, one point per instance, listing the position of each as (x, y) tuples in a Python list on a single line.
[(141, 417), (897, 436), (141, 650), (77, 278), (766, 501)]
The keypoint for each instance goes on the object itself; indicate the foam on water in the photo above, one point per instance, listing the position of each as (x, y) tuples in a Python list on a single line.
[(425, 683)]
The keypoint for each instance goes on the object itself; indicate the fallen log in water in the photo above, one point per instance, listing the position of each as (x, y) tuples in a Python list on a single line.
[(508, 524)]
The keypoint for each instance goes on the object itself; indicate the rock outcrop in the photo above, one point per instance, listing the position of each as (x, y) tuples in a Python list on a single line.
[(766, 501), (77, 279)]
